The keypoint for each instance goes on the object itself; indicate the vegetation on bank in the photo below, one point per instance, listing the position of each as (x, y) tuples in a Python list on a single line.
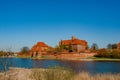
[(54, 74), (112, 53), (6, 53)]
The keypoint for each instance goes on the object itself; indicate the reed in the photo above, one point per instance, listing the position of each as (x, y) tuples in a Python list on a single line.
[(55, 74)]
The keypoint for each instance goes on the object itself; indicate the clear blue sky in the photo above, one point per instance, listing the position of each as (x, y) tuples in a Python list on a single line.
[(25, 22)]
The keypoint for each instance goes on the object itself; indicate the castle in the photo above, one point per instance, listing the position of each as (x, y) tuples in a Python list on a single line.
[(75, 45)]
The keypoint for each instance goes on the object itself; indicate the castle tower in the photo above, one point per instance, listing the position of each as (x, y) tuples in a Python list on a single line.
[(73, 38)]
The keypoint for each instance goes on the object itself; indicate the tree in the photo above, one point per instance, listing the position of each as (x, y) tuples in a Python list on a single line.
[(25, 50), (114, 46), (94, 46), (109, 46)]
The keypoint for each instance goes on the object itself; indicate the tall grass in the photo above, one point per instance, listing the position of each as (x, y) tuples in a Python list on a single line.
[(55, 74), (87, 76)]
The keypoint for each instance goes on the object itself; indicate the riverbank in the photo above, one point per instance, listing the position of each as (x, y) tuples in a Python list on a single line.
[(53, 74), (80, 59), (73, 59), (104, 59), (70, 56)]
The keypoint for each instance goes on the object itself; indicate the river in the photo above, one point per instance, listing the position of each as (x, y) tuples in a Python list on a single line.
[(77, 66)]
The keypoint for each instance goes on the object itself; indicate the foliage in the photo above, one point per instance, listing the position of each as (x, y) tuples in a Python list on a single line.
[(3, 53), (61, 48), (94, 46), (25, 50), (114, 46), (113, 53), (109, 46)]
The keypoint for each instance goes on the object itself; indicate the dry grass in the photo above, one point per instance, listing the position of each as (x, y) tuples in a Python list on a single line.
[(87, 76), (55, 74), (52, 74)]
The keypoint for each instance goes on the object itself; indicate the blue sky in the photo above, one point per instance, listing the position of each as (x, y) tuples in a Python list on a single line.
[(25, 22)]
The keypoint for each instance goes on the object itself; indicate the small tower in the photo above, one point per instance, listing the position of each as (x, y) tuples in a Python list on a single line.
[(73, 38)]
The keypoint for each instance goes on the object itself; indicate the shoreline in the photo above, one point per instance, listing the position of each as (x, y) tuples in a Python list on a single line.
[(84, 59), (77, 59)]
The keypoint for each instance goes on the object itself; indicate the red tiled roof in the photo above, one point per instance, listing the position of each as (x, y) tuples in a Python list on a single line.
[(74, 42), (41, 44), (38, 46)]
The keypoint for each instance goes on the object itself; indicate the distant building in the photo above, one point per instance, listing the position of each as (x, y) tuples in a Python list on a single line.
[(75, 44), (39, 49)]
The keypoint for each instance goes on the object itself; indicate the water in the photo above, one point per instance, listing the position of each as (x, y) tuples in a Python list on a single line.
[(77, 66)]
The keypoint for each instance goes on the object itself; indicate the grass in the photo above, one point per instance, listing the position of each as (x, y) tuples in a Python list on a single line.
[(22, 57), (66, 74), (56, 73), (102, 59), (87, 76)]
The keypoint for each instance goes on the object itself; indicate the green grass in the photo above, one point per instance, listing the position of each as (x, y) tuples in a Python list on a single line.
[(90, 58), (111, 59), (22, 57)]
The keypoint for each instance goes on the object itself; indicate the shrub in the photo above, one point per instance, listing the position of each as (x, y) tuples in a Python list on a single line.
[(108, 53), (102, 53), (115, 54)]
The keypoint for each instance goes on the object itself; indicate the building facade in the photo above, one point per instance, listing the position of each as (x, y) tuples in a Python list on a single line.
[(39, 49), (75, 44)]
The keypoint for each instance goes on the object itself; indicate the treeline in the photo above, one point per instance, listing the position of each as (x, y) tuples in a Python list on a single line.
[(104, 53), (6, 53), (111, 51)]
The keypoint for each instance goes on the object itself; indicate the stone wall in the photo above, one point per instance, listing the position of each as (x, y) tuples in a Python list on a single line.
[(70, 55)]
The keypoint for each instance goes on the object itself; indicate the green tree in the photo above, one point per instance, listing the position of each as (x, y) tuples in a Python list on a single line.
[(25, 50), (109, 46), (114, 46), (94, 46)]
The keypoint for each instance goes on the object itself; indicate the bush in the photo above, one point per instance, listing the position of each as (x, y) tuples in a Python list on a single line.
[(108, 53), (115, 54), (2, 53), (103, 53)]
